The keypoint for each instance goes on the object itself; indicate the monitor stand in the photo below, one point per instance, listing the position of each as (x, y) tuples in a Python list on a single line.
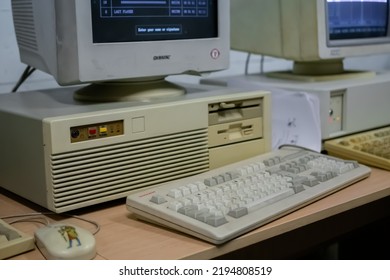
[(320, 71), (144, 90)]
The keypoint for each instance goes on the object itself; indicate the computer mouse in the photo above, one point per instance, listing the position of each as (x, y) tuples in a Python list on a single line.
[(65, 242)]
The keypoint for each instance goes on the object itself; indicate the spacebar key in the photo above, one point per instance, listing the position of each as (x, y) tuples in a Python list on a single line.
[(269, 199)]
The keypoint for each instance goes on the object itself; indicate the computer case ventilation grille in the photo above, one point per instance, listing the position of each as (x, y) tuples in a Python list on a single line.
[(86, 177)]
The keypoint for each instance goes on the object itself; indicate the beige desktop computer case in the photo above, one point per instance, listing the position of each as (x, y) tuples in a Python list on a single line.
[(64, 155)]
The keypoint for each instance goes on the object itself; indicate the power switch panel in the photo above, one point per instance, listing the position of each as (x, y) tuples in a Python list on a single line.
[(335, 119), (96, 131)]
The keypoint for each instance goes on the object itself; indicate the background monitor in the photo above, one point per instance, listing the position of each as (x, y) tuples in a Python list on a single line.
[(316, 34), (124, 48)]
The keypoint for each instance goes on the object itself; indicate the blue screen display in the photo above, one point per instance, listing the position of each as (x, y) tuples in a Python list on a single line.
[(151, 20), (348, 19)]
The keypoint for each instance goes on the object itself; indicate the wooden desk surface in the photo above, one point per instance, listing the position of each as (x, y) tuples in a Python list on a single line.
[(123, 237)]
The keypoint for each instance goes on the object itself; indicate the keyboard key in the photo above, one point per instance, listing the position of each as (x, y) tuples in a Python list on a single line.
[(269, 199), (9, 233), (238, 212), (216, 220), (174, 193), (158, 199)]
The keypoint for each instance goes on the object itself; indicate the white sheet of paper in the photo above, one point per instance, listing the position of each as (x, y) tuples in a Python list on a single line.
[(295, 119)]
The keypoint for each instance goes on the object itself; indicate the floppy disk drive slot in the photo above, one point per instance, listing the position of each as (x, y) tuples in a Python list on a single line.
[(234, 132), (224, 112)]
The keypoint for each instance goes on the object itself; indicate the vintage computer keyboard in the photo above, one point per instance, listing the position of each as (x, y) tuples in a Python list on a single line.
[(369, 147), (224, 203), (13, 241)]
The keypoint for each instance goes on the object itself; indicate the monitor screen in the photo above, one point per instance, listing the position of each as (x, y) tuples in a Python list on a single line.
[(349, 19), (132, 21)]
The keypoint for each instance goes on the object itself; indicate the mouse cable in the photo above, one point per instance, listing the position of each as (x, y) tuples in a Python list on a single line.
[(247, 61), (26, 73), (27, 216), (297, 147)]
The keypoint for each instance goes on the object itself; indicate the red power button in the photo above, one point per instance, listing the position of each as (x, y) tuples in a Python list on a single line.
[(92, 131)]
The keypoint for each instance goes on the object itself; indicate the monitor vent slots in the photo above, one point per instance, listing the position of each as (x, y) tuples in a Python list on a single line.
[(24, 24), (86, 177)]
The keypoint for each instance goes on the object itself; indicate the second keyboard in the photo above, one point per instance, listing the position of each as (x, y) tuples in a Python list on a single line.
[(368, 147)]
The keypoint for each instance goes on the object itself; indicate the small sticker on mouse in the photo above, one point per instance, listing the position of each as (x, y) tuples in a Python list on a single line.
[(69, 234)]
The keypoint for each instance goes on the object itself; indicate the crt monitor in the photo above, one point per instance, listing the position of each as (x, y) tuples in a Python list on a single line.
[(123, 48), (316, 34)]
